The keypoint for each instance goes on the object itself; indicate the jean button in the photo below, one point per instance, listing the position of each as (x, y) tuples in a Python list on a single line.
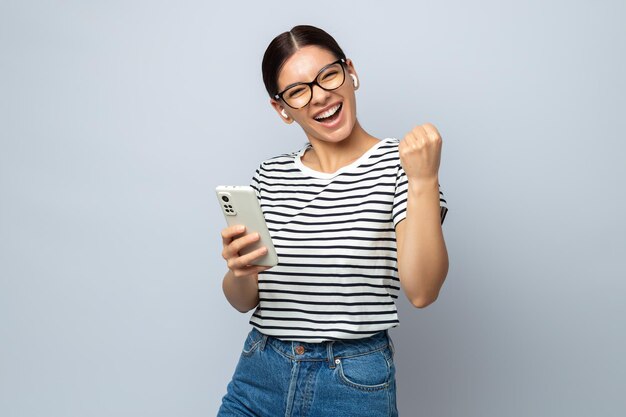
[(337, 361), (299, 350)]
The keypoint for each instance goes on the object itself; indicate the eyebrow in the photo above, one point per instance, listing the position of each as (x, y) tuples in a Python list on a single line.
[(302, 82)]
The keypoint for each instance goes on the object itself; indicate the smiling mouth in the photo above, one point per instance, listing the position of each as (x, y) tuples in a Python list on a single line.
[(332, 118)]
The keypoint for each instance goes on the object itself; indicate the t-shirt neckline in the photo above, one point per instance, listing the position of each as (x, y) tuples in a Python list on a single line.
[(327, 175)]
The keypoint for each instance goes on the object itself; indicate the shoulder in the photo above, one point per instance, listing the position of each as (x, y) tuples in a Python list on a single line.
[(390, 142), (388, 149), (280, 158), (391, 139), (277, 161)]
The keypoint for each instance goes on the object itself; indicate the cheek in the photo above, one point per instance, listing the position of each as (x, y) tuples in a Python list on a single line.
[(352, 110)]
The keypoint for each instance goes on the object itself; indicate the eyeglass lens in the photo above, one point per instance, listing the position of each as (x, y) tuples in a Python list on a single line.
[(329, 79)]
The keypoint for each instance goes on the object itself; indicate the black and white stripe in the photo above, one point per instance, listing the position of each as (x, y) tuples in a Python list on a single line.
[(334, 234)]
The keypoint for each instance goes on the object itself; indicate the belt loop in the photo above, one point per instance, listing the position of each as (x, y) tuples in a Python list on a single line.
[(263, 341), (331, 357), (393, 348)]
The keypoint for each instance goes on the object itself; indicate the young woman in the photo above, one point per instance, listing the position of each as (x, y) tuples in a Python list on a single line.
[(353, 219)]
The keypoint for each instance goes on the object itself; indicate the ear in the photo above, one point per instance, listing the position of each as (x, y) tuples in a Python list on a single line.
[(350, 69), (279, 109)]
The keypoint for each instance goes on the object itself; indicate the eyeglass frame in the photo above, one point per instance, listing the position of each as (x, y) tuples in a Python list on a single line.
[(279, 96)]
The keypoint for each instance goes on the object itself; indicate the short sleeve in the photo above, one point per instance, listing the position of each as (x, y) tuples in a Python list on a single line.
[(255, 182), (443, 205), (400, 199)]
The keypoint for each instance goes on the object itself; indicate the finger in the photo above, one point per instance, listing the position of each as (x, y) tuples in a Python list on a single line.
[(420, 135), (258, 268), (229, 232), (248, 258), (241, 242), (410, 137), (252, 270), (431, 131), (232, 249)]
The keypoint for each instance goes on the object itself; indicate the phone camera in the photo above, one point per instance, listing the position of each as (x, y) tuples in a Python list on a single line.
[(225, 198)]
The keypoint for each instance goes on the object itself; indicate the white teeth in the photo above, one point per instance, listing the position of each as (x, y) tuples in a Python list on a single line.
[(328, 112)]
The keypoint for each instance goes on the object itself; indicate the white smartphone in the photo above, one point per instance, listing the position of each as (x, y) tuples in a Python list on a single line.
[(240, 206)]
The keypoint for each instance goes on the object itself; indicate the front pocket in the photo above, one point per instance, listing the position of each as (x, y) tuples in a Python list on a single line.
[(369, 372), (252, 342)]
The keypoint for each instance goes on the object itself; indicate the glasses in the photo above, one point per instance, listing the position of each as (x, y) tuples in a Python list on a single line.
[(329, 78)]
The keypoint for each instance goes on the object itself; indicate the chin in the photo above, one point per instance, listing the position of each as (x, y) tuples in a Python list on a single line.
[(344, 129)]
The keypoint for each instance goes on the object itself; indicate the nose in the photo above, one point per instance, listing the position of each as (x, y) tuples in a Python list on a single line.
[(318, 94)]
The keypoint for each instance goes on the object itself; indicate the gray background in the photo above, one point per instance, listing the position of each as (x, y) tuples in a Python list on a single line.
[(119, 118)]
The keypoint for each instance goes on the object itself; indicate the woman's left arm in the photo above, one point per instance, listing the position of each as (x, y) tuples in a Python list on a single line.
[(421, 249)]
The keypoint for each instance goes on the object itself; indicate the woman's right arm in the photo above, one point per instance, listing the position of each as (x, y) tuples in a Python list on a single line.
[(240, 283)]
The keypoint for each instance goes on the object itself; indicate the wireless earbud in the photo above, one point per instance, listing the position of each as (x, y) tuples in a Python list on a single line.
[(284, 113), (354, 80)]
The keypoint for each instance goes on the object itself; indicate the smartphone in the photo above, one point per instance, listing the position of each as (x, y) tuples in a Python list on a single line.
[(240, 205)]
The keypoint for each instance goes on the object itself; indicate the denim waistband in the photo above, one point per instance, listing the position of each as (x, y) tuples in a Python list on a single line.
[(327, 350)]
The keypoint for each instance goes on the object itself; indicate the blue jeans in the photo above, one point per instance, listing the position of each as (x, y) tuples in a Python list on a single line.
[(276, 378)]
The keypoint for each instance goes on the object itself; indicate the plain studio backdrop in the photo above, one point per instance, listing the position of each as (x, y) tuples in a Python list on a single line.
[(119, 118)]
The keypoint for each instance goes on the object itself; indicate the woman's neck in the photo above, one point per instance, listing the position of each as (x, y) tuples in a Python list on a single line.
[(328, 156)]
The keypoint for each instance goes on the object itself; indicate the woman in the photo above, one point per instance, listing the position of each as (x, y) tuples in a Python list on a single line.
[(319, 343)]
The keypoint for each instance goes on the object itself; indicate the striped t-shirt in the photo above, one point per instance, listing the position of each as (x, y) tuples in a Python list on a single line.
[(334, 233)]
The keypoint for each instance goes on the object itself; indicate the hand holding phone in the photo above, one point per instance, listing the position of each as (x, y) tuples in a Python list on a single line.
[(241, 207), (233, 240)]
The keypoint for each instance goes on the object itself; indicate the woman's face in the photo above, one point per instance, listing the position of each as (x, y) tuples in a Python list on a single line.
[(304, 66)]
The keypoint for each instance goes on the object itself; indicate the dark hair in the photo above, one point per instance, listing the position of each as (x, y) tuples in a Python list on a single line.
[(286, 44)]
